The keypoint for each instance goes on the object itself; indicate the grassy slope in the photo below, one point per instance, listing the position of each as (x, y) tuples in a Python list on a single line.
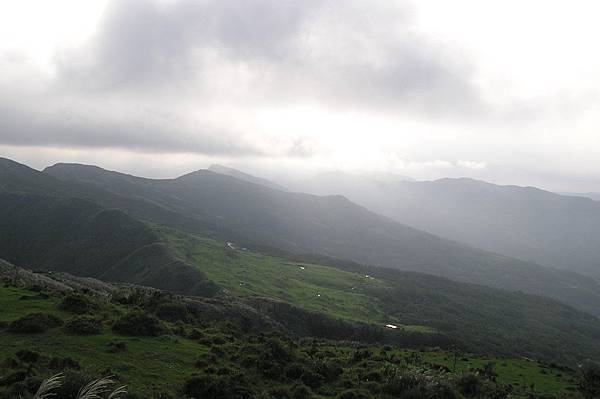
[(162, 363), (486, 320), (312, 287), (517, 372)]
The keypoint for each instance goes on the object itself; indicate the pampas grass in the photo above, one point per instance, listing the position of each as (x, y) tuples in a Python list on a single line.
[(97, 389), (47, 386), (116, 394)]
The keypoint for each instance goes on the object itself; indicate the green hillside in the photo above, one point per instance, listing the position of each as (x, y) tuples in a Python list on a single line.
[(80, 237), (479, 318)]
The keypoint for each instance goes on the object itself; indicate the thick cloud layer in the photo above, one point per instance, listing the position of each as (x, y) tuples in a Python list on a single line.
[(181, 57), (275, 80)]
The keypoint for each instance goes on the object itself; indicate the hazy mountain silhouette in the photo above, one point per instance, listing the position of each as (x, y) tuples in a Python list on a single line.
[(224, 170), (593, 196), (522, 222)]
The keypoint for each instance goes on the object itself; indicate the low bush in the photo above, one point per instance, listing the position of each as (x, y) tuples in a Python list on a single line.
[(330, 370), (312, 379), (469, 384), (77, 303), (83, 326), (301, 392), (295, 392), (114, 347), (405, 382), (34, 323), (589, 380), (218, 387), (139, 324), (279, 393), (172, 311), (195, 334), (353, 394), (63, 363), (294, 371), (28, 356)]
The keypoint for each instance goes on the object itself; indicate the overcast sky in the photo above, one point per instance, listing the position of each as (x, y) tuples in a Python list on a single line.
[(504, 91)]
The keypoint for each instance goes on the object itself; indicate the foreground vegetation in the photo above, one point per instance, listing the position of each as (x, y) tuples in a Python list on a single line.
[(161, 347)]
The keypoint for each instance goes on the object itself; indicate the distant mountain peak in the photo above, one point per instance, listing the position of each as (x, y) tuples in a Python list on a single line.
[(238, 174)]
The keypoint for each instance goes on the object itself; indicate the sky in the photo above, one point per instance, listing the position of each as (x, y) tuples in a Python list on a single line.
[(507, 92)]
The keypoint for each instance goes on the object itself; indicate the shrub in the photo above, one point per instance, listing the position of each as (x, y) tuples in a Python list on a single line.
[(83, 326), (295, 392), (353, 394), (361, 355), (179, 329), (311, 378), (294, 371), (469, 384), (195, 334), (217, 387), (34, 323), (14, 377), (280, 393), (404, 381), (172, 311), (330, 370), (138, 324), (277, 349), (301, 392), (589, 380), (374, 375), (114, 347), (418, 392), (32, 384), (28, 356), (445, 391), (57, 363), (16, 390), (33, 297), (77, 303)]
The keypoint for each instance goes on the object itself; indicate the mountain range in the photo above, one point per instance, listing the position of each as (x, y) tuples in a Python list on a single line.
[(521, 222), (252, 215)]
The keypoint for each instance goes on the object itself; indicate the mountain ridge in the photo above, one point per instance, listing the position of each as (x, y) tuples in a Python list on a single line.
[(238, 174), (78, 236), (522, 222), (332, 226)]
